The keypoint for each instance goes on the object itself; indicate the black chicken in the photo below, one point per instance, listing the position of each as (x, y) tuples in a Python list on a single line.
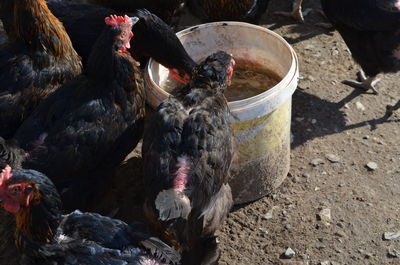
[(90, 124), (165, 9), (84, 23), (187, 152), (371, 30), (220, 10), (44, 236), (37, 58)]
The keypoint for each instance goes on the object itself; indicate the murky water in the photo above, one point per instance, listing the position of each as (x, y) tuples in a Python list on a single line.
[(246, 82)]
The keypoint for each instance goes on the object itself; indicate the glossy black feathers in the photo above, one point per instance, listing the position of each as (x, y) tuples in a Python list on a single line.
[(371, 30), (187, 152)]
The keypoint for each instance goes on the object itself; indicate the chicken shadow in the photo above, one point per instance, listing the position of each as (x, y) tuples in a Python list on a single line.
[(328, 117)]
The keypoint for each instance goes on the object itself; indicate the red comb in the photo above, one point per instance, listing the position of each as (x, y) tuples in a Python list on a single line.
[(5, 175), (115, 21)]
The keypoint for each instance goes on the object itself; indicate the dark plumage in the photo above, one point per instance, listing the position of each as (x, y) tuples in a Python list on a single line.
[(36, 60), (187, 150), (89, 125), (371, 30), (155, 38), (44, 236), (165, 9), (221, 10)]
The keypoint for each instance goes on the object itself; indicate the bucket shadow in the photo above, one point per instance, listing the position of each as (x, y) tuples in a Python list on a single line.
[(330, 119)]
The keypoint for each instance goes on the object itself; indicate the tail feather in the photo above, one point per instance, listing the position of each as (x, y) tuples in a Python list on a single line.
[(11, 154)]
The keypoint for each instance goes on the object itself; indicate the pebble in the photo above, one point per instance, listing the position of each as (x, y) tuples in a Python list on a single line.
[(327, 262), (306, 175), (270, 214), (325, 215), (391, 235), (366, 137), (360, 106), (288, 226), (317, 161), (346, 106), (299, 119), (333, 158), (313, 121), (340, 234), (393, 253), (289, 253), (372, 166), (311, 78)]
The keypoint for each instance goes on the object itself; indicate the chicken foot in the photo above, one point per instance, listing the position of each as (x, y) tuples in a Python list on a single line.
[(296, 12), (364, 83), (392, 108)]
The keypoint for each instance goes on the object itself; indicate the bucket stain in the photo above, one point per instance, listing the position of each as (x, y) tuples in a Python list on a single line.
[(263, 150)]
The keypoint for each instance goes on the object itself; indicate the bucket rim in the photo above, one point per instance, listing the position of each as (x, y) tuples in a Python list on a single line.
[(246, 103)]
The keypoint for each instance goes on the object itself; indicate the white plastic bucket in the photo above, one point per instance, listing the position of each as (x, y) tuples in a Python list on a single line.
[(261, 123)]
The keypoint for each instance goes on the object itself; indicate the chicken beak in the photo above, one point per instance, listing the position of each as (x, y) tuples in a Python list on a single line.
[(134, 20)]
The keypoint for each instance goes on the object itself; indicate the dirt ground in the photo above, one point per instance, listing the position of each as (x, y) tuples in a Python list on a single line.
[(326, 121)]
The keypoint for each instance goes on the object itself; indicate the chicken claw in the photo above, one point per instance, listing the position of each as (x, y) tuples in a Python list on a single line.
[(296, 12), (392, 108), (364, 83)]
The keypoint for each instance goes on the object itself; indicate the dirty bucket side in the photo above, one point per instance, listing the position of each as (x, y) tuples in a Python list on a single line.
[(263, 154)]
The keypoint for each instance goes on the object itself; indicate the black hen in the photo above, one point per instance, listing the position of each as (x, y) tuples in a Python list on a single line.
[(44, 236), (165, 9), (36, 60), (187, 152), (91, 123), (221, 10), (371, 30), (156, 39)]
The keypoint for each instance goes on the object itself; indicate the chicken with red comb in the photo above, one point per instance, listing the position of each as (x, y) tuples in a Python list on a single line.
[(44, 236), (81, 133)]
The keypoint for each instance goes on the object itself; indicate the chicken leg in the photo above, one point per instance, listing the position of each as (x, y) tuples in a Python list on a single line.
[(392, 108), (364, 83), (296, 11)]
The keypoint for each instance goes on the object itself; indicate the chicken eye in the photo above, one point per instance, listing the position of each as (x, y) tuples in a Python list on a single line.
[(15, 190)]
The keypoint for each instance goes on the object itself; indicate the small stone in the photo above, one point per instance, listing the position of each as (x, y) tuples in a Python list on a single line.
[(299, 119), (317, 188), (340, 234), (311, 78), (360, 106), (325, 215), (309, 47), (270, 214), (393, 253), (313, 121), (346, 106), (307, 175), (317, 161), (327, 262), (368, 255), (372, 166), (333, 158), (391, 235), (366, 137), (322, 239), (341, 225), (289, 253), (288, 226)]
